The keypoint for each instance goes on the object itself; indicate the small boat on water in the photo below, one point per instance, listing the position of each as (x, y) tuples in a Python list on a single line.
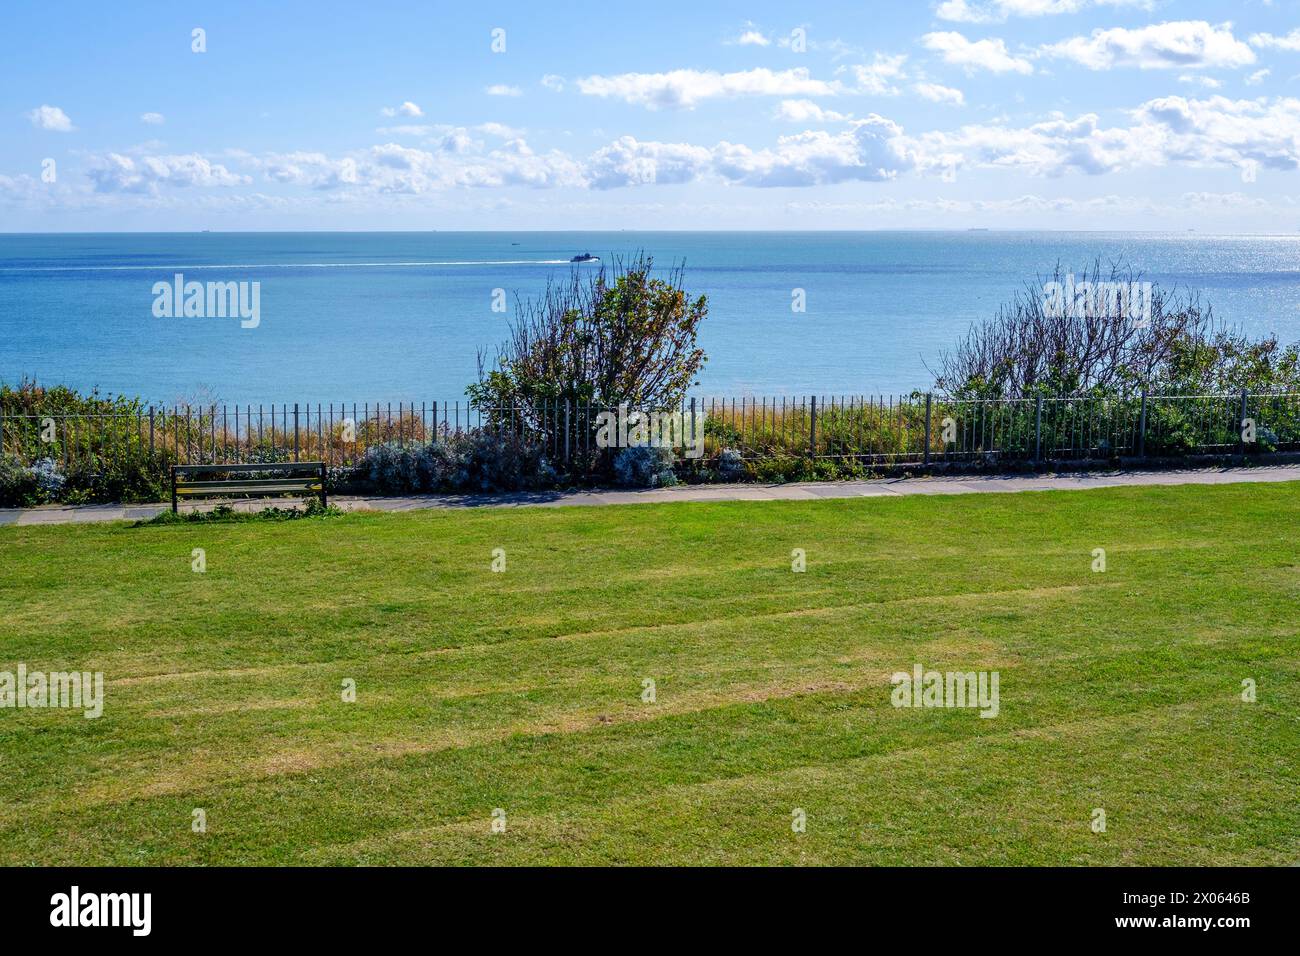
[(585, 257)]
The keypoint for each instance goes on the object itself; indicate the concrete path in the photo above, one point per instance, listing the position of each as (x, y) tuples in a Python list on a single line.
[(801, 491)]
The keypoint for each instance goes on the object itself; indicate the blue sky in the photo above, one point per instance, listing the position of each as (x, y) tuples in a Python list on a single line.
[(1056, 114)]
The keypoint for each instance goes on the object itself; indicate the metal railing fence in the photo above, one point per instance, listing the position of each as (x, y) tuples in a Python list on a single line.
[(872, 430)]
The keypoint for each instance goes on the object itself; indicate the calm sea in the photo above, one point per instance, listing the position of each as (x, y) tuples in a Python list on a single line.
[(402, 316)]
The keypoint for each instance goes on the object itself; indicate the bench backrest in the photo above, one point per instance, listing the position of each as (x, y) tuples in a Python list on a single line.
[(291, 477), (306, 467)]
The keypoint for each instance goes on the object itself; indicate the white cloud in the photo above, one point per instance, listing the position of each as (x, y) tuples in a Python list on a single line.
[(405, 130), (51, 118), (406, 109), (1223, 132), (937, 93), (501, 89), (553, 82), (18, 188), (1169, 130), (684, 89), (458, 160), (499, 130), (806, 111), (1209, 82), (1182, 44), (959, 11), (990, 54), (1267, 41), (878, 77), (114, 172), (752, 38), (309, 169), (628, 162), (997, 11), (1257, 77), (872, 150), (153, 119)]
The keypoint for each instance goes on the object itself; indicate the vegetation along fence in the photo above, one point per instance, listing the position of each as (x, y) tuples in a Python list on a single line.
[(886, 430)]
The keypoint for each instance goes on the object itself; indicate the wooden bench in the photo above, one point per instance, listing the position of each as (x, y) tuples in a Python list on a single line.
[(300, 478)]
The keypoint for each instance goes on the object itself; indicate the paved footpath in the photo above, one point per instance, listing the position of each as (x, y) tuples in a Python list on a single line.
[(799, 491)]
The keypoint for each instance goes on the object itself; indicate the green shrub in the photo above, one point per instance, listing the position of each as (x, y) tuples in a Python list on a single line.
[(644, 467), (17, 484)]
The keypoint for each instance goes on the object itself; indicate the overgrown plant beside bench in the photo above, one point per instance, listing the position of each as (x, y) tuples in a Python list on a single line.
[(298, 478)]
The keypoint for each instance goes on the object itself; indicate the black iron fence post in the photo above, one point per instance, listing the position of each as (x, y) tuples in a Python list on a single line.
[(1142, 427), (1241, 428), (812, 430), (1038, 431), (926, 455), (295, 431)]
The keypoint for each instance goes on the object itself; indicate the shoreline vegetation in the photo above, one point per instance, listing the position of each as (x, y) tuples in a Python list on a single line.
[(1098, 368)]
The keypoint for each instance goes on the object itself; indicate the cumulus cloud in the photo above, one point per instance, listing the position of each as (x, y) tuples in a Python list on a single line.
[(997, 11), (408, 130), (315, 170), (1173, 129), (1214, 131), (879, 77), (1182, 44), (51, 118), (684, 89), (871, 149), (500, 130), (959, 11), (628, 162), (115, 172), (16, 188), (937, 93), (1220, 131), (806, 111), (1257, 77), (990, 54), (457, 160), (1267, 41), (406, 109), (752, 37)]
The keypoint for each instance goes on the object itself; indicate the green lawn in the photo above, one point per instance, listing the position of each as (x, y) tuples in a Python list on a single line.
[(523, 690)]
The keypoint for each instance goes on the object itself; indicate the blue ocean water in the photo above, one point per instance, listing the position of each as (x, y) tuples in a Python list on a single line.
[(403, 316)]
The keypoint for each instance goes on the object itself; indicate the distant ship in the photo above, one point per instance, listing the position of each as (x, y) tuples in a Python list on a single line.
[(585, 257)]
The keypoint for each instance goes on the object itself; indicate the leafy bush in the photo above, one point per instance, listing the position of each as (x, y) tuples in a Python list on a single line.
[(404, 469), (481, 461), (501, 462), (731, 466), (644, 467), (104, 442), (49, 480), (18, 487)]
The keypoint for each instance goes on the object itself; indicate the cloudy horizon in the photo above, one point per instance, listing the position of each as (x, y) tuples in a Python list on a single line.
[(1022, 114)]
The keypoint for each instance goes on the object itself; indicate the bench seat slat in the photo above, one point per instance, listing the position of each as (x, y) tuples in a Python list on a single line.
[(269, 487)]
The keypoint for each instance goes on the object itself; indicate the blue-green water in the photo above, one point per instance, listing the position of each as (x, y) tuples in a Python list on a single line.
[(402, 316)]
